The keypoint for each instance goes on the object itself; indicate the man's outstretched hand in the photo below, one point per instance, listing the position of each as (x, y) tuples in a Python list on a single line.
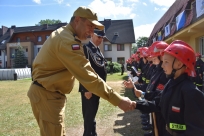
[(126, 104)]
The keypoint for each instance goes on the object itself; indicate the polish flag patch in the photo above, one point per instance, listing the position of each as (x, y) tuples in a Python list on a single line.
[(176, 109), (160, 87), (75, 47)]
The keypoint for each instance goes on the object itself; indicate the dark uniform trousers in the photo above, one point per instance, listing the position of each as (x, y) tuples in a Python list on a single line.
[(90, 106), (44, 105), (89, 109)]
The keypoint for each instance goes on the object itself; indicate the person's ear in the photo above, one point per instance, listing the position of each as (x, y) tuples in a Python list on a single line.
[(179, 63)]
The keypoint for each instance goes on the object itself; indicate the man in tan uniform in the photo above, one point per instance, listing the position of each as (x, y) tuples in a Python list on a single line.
[(59, 62)]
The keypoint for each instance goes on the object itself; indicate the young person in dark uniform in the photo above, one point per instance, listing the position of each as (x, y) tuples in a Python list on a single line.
[(181, 102), (199, 72), (122, 67), (90, 101), (156, 85), (128, 64), (111, 67)]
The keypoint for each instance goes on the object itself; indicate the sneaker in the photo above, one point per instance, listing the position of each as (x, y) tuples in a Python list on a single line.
[(150, 133), (147, 127), (144, 116), (144, 123)]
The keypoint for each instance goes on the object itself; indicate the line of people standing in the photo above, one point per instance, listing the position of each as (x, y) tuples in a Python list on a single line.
[(176, 103)]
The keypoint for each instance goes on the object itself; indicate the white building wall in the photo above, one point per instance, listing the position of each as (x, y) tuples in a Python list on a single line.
[(114, 54)]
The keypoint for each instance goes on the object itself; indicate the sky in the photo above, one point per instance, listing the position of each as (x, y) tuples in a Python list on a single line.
[(144, 13)]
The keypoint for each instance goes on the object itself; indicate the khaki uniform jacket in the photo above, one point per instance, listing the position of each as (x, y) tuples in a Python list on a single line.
[(60, 61)]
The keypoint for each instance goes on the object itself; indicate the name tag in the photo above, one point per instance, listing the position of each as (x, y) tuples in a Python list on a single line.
[(177, 126)]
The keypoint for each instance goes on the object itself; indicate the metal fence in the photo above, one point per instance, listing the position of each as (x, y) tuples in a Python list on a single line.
[(14, 74)]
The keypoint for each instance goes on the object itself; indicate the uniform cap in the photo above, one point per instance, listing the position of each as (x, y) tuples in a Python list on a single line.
[(100, 33), (88, 14)]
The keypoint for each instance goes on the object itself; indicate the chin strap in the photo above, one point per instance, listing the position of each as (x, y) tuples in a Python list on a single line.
[(170, 76)]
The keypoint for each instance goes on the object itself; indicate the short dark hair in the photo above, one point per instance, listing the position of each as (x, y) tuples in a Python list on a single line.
[(72, 19)]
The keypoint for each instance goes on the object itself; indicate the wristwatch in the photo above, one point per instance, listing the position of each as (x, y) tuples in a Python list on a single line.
[(142, 94)]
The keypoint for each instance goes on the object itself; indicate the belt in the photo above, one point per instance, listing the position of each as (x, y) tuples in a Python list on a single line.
[(38, 84), (171, 131)]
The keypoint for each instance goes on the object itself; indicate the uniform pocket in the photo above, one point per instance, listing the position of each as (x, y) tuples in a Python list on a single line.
[(54, 96)]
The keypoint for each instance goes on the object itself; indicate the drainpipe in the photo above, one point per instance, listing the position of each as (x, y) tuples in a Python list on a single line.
[(4, 57)]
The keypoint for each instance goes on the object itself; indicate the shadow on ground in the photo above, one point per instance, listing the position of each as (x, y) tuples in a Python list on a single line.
[(130, 122)]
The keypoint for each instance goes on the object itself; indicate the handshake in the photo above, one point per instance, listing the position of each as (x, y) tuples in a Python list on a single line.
[(126, 104)]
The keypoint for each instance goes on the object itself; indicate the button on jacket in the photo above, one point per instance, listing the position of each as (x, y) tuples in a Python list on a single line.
[(61, 60)]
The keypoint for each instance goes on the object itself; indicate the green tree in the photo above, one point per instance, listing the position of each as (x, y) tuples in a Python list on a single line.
[(134, 48), (20, 61), (49, 22), (141, 42)]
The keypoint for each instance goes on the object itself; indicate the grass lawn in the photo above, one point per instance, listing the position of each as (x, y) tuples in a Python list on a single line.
[(16, 117)]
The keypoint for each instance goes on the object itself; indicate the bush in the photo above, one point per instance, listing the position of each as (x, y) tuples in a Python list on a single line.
[(116, 67)]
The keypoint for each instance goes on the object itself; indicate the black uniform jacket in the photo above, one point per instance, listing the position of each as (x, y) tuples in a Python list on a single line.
[(150, 72), (128, 66), (199, 66), (181, 105), (199, 71), (157, 83), (97, 61)]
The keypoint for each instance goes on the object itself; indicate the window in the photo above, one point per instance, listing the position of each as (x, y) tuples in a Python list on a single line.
[(39, 49), (47, 36), (108, 59), (120, 59), (39, 38), (108, 47), (27, 38), (120, 47), (18, 39), (26, 49), (202, 45)]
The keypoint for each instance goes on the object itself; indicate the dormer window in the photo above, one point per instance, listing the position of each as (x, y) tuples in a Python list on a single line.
[(116, 34), (3, 41)]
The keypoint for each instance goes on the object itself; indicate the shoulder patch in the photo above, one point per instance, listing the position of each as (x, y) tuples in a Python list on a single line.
[(75, 47)]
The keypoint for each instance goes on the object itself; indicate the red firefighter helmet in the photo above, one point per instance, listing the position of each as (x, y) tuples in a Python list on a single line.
[(157, 48), (144, 52), (136, 56), (198, 54), (183, 52), (139, 50)]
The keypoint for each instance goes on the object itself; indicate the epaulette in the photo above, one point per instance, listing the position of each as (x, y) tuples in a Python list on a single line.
[(76, 38)]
